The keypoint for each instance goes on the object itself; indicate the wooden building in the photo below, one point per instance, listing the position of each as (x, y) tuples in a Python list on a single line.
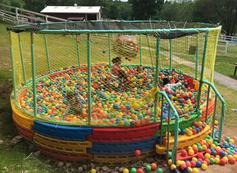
[(74, 12)]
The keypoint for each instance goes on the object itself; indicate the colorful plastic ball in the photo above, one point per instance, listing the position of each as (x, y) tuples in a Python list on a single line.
[(125, 170), (235, 156), (207, 155), (195, 170), (193, 164), (137, 153), (183, 153), (189, 170), (194, 159), (188, 164), (178, 163), (93, 171), (140, 170), (159, 170), (200, 156), (217, 160), (133, 170), (153, 166), (204, 166), (198, 164), (148, 168), (183, 166), (170, 161), (222, 153), (212, 161), (232, 160), (173, 167), (222, 162), (190, 152)]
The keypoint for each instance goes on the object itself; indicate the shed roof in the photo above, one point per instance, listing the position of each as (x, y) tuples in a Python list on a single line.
[(71, 9)]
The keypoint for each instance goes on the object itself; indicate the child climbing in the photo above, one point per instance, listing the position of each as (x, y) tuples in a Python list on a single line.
[(119, 72)]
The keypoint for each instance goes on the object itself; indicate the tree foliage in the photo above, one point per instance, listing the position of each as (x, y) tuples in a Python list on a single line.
[(145, 9)]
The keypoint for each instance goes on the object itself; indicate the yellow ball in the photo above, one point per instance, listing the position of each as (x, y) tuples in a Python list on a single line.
[(191, 152), (194, 159), (125, 170), (93, 171), (190, 169), (216, 122), (232, 141), (235, 156), (204, 166), (225, 158), (217, 160), (178, 163), (204, 147), (207, 155), (195, 170), (173, 167), (213, 146), (170, 162), (209, 142)]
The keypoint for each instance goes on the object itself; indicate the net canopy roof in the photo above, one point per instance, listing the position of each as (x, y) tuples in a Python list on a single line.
[(161, 29)]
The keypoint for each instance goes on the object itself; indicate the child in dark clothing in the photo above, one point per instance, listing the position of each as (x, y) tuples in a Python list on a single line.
[(119, 72)]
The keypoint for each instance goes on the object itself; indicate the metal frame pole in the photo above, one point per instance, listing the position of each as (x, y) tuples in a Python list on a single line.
[(140, 47), (89, 77), (109, 51), (13, 66), (33, 72), (202, 71), (156, 74), (22, 61)]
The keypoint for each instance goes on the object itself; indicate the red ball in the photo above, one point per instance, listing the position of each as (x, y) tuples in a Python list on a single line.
[(137, 153), (184, 153), (193, 164), (200, 156), (218, 151), (140, 170), (232, 160), (195, 149), (222, 162), (153, 166)]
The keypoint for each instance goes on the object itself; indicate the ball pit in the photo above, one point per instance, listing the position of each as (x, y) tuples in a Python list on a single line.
[(75, 112), (111, 105)]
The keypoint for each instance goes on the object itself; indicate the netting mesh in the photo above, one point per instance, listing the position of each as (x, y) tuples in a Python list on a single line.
[(120, 88)]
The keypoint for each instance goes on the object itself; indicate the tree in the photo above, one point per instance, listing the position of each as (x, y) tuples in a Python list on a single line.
[(227, 13), (145, 9)]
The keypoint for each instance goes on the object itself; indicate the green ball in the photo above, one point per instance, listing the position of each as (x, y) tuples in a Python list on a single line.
[(148, 168), (133, 170), (159, 170)]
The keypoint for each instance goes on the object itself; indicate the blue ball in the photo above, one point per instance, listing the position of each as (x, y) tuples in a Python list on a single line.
[(198, 164), (222, 154)]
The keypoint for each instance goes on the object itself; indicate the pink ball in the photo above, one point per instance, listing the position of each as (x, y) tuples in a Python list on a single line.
[(137, 153), (153, 166)]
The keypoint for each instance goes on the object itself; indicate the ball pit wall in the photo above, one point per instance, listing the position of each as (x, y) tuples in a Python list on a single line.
[(104, 145)]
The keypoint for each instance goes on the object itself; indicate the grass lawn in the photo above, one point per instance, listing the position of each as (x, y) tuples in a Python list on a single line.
[(21, 157)]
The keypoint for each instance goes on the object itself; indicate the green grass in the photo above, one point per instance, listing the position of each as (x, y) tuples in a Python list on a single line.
[(224, 65)]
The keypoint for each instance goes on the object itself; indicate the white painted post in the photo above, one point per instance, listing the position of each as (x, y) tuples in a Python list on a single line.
[(226, 47)]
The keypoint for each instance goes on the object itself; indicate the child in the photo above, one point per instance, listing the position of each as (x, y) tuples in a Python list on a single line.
[(119, 72)]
